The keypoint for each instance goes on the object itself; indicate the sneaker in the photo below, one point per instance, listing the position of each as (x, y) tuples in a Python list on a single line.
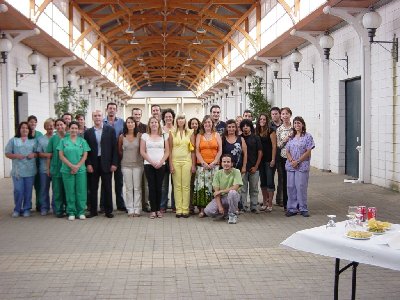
[(82, 217), (71, 218), (290, 213), (43, 213), (27, 214), (269, 209), (305, 214), (15, 214), (232, 219)]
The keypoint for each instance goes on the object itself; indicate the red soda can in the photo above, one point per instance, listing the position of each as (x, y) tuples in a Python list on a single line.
[(371, 212), (362, 210)]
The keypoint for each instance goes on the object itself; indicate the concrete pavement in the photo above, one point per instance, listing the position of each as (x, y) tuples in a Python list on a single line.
[(169, 258)]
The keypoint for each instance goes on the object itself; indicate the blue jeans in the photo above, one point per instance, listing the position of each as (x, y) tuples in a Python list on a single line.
[(44, 192), (250, 183), (165, 191), (23, 193)]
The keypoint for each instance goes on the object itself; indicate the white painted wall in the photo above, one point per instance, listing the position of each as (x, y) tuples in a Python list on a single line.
[(305, 99)]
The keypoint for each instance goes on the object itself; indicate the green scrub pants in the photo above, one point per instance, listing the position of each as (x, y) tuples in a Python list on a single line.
[(75, 192), (58, 194)]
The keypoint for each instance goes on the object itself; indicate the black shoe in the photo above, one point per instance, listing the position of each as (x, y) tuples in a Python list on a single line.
[(110, 215), (122, 209), (178, 215), (91, 216), (101, 211), (185, 216), (305, 214), (290, 214), (60, 216)]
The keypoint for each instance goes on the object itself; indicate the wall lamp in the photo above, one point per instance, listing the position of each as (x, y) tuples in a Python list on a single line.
[(326, 42), (296, 58), (5, 47), (275, 69), (33, 60), (70, 77), (55, 71), (371, 21), (81, 83)]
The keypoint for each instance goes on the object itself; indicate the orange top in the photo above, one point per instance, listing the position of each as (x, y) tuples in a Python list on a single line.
[(208, 149)]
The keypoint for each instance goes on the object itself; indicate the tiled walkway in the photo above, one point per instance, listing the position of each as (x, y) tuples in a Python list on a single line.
[(169, 258)]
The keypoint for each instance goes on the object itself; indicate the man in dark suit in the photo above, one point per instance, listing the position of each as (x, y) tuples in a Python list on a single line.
[(102, 161)]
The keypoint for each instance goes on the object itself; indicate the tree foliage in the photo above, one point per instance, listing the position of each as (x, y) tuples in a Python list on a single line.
[(70, 102), (257, 101)]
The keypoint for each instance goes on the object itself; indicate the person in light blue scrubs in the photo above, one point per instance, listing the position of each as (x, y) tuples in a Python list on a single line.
[(21, 149)]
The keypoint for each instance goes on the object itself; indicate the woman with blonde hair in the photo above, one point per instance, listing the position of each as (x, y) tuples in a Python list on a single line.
[(154, 148), (208, 153), (181, 163)]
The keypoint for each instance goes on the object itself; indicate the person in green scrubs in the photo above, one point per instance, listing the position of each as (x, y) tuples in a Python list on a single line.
[(32, 122), (73, 152), (54, 169)]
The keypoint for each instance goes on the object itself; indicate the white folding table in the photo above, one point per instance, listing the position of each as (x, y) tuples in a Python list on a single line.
[(332, 242)]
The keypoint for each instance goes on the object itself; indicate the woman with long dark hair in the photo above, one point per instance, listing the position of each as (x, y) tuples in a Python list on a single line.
[(234, 145), (298, 151), (131, 166), (267, 165), (194, 125), (21, 149)]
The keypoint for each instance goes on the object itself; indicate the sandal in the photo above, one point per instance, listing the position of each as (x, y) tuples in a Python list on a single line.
[(153, 215), (263, 208), (159, 214)]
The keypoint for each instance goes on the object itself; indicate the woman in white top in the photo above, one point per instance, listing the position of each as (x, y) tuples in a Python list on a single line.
[(154, 148), (131, 166)]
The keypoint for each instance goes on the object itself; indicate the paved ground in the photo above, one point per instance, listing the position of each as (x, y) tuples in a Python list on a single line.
[(169, 258)]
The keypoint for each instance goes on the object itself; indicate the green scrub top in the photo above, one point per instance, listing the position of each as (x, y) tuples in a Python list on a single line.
[(55, 163), (73, 152), (22, 167)]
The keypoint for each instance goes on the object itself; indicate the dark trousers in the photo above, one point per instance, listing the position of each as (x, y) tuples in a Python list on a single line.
[(106, 186), (282, 163), (155, 179), (118, 185)]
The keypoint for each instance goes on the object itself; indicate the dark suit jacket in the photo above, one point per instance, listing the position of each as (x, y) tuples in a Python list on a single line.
[(109, 155)]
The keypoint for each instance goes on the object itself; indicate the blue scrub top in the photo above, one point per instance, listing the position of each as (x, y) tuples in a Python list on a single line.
[(22, 167)]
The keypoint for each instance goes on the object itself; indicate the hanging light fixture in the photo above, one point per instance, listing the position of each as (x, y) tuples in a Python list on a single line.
[(134, 41), (129, 30)]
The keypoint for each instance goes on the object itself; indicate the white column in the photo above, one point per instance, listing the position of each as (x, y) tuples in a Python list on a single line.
[(7, 118)]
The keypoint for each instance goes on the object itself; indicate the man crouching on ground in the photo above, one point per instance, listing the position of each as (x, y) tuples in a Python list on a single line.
[(226, 184)]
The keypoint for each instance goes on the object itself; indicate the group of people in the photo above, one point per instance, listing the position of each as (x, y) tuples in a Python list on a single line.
[(212, 165)]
